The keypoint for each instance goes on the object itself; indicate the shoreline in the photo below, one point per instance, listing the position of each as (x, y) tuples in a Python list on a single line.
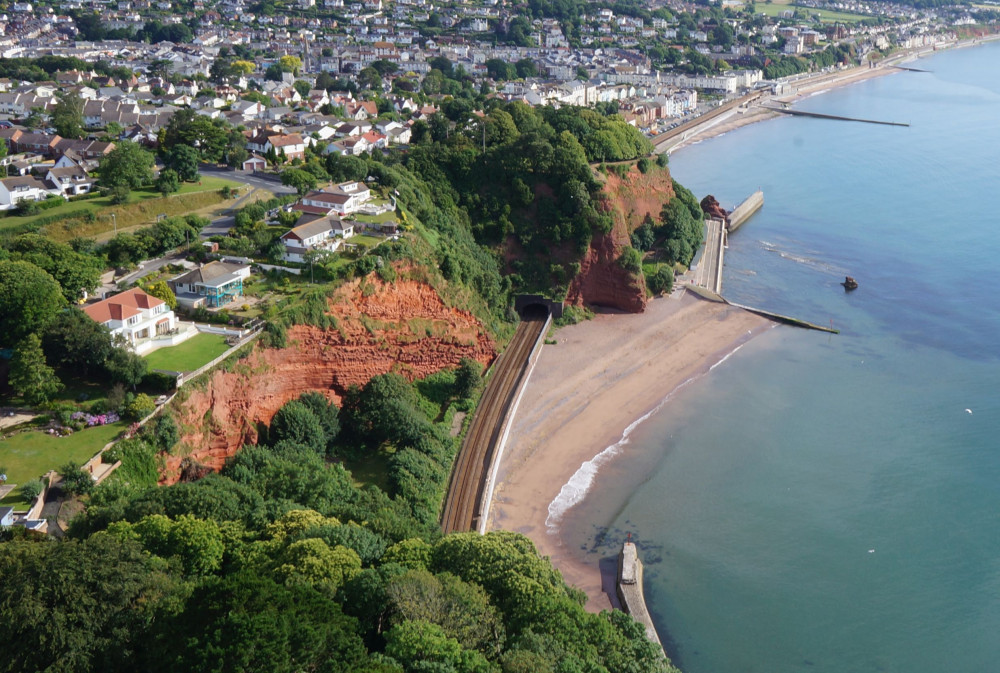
[(575, 406), (756, 113)]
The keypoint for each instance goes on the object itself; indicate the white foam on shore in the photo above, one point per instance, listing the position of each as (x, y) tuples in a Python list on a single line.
[(575, 490)]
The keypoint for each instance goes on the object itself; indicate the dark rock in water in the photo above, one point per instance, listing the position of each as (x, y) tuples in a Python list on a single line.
[(850, 284), (713, 210)]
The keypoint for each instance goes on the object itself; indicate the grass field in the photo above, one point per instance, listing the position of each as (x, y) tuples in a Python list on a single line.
[(142, 207), (775, 9), (29, 455), (190, 355)]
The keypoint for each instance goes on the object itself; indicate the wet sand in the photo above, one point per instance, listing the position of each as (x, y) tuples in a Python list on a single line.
[(601, 376)]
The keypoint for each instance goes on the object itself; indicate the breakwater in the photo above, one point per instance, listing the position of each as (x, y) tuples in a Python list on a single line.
[(745, 210), (820, 115), (629, 590)]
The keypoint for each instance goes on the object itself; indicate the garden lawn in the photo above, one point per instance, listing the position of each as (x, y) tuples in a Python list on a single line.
[(190, 355), (826, 16), (102, 207), (29, 455)]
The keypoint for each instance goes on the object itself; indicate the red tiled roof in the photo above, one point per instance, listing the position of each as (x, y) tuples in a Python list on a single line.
[(122, 306)]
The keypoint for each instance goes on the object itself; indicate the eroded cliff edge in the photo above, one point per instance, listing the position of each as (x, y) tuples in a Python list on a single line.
[(403, 327)]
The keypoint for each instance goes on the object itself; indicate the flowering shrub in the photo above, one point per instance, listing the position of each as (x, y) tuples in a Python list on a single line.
[(95, 419)]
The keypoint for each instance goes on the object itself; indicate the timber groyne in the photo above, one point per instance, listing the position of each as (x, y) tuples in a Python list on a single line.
[(629, 590), (820, 115), (745, 210)]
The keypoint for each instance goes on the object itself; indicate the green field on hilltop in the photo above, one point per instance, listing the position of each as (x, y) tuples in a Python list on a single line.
[(142, 207), (775, 9), (29, 455), (187, 357)]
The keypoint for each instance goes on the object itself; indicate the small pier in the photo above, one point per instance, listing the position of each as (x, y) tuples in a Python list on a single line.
[(745, 210), (820, 115), (900, 67), (708, 272), (629, 589)]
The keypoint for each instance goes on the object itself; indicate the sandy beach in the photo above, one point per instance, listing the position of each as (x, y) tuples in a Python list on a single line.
[(601, 376)]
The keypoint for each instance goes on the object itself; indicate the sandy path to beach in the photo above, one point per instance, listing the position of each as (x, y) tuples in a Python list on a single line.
[(602, 375)]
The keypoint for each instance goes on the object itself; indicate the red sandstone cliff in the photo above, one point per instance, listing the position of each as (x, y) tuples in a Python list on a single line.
[(403, 327), (602, 281)]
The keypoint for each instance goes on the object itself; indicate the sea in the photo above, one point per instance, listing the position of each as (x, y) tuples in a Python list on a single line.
[(831, 503)]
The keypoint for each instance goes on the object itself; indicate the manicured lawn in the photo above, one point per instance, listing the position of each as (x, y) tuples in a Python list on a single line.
[(102, 205), (388, 216), (29, 455), (190, 355), (366, 240)]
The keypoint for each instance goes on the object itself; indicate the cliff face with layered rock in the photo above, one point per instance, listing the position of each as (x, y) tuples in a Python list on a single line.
[(402, 326), (602, 281)]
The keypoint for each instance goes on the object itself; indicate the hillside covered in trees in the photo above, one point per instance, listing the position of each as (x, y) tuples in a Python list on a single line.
[(316, 546)]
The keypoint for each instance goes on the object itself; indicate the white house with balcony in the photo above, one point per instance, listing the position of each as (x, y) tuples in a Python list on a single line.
[(135, 316)]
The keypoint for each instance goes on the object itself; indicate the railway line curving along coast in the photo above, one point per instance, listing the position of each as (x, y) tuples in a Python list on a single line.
[(470, 474)]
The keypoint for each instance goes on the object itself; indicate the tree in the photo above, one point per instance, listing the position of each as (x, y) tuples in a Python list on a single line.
[(67, 115), (468, 377), (296, 423), (99, 597), (168, 181), (126, 367), (74, 480), (30, 298), (128, 166), (369, 78), (526, 68), (75, 272), (30, 376), (161, 290), (184, 160), (243, 67), (77, 342), (302, 181), (302, 87), (289, 63), (244, 622), (273, 73), (35, 118)]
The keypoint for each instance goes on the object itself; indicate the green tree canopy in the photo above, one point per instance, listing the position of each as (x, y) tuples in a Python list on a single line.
[(128, 165), (75, 272), (30, 376), (30, 298)]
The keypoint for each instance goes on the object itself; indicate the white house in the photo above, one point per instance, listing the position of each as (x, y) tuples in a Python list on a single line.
[(343, 199), (22, 188), (134, 315), (326, 233), (70, 180)]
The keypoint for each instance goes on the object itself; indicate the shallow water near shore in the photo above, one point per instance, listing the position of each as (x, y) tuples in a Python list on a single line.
[(829, 503)]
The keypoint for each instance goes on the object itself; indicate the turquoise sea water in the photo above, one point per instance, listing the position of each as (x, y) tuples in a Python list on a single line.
[(828, 503)]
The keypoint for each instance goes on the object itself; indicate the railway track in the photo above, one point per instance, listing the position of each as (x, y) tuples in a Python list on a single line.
[(471, 470)]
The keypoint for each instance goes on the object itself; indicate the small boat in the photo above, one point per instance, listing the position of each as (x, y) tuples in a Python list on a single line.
[(850, 284)]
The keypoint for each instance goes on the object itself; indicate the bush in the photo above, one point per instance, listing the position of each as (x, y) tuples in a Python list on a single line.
[(662, 281), (644, 164), (630, 260), (75, 480), (32, 489), (159, 382), (140, 407)]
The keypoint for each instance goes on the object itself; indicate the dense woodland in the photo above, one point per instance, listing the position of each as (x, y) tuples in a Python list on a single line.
[(284, 561)]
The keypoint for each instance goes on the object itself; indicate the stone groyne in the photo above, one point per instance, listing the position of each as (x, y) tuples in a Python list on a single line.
[(629, 590), (742, 212)]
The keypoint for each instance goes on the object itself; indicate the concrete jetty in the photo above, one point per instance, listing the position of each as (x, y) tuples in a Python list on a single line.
[(629, 590), (742, 212)]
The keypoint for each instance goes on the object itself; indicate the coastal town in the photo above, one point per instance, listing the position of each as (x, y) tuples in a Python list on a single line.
[(274, 275)]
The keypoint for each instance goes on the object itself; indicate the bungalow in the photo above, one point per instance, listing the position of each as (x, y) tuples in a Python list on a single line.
[(219, 283), (326, 233), (135, 316)]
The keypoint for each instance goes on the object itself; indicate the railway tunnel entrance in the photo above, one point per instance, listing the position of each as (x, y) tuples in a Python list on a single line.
[(534, 306)]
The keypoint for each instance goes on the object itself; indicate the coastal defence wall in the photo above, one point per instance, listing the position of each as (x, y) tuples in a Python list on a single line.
[(487, 497), (742, 212), (629, 590)]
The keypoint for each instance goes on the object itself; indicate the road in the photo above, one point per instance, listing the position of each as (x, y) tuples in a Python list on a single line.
[(219, 226)]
